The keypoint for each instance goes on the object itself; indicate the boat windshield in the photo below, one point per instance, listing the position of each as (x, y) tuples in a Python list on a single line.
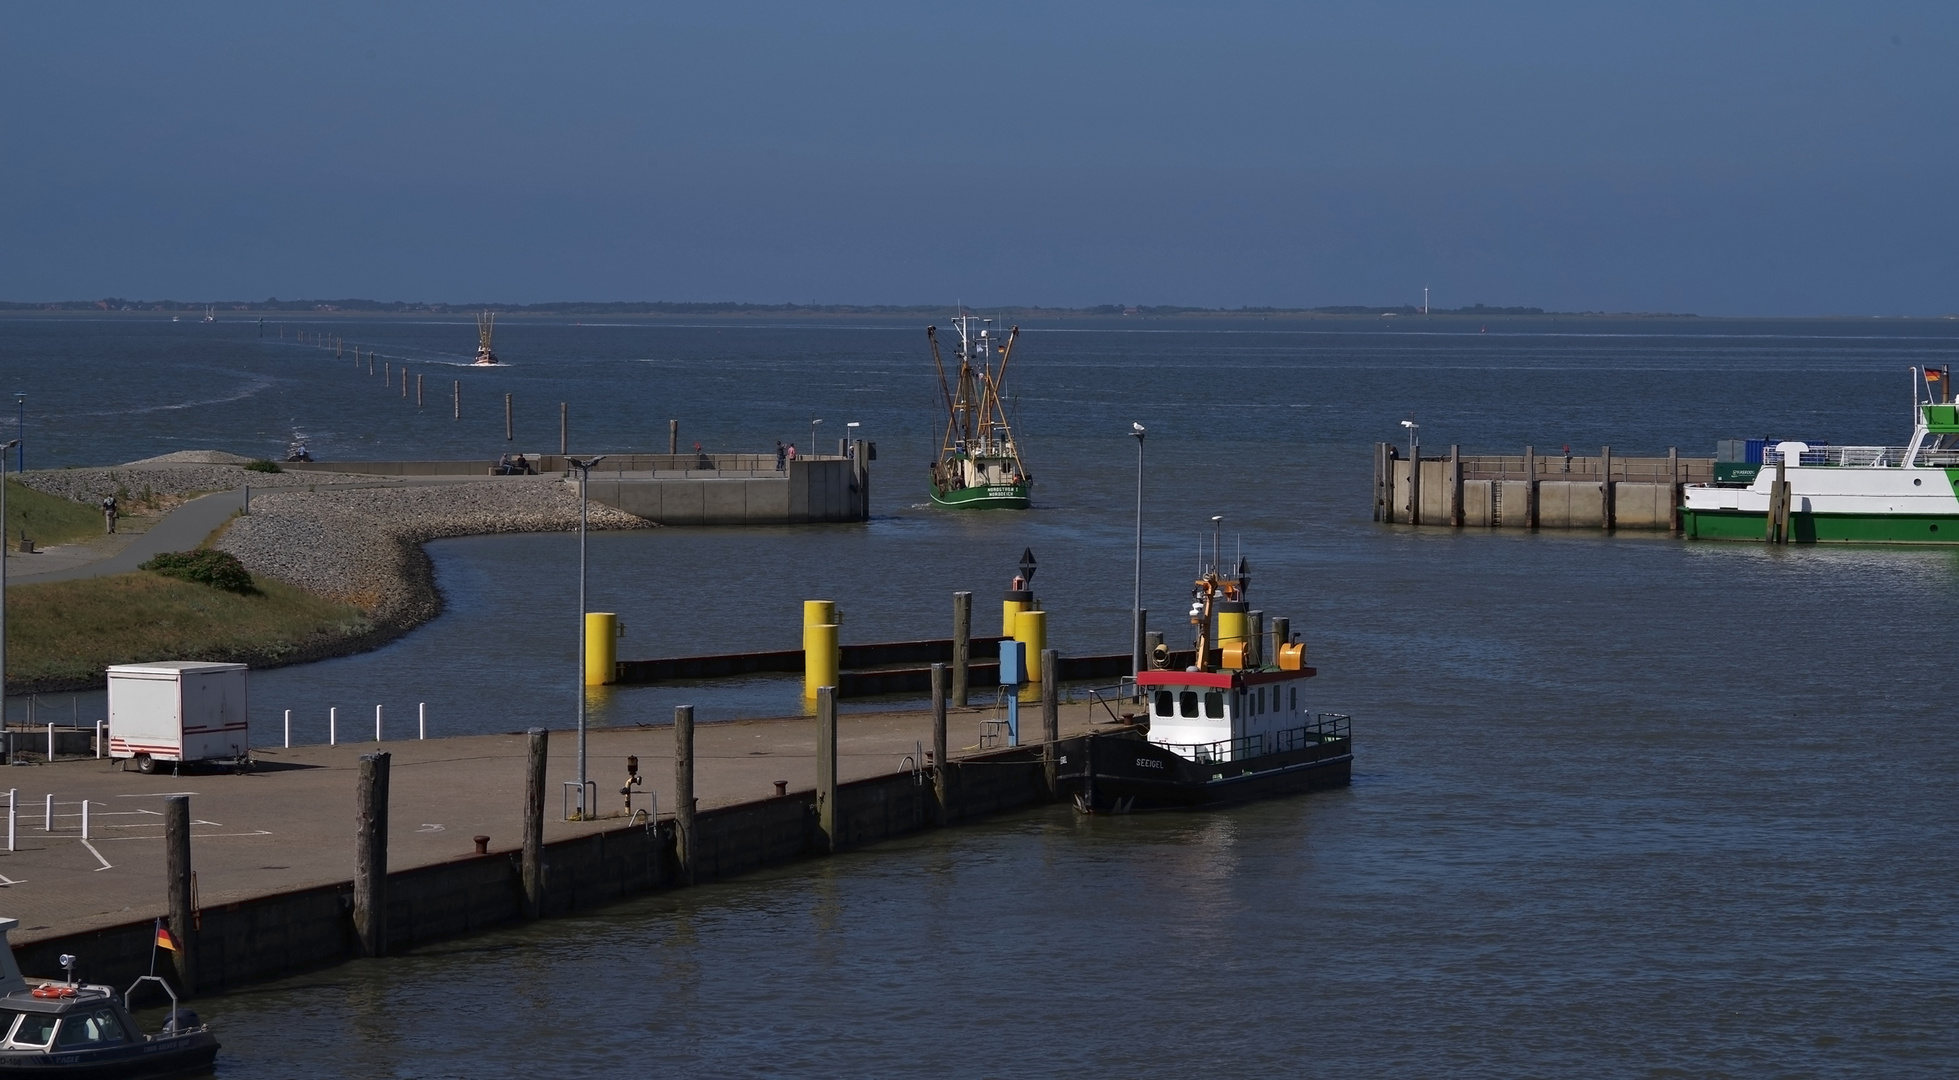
[(33, 1032), (98, 1028)]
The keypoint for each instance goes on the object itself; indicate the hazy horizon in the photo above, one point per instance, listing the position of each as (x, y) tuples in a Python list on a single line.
[(1752, 159)]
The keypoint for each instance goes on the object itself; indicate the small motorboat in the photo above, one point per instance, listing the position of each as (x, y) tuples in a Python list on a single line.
[(62, 1028)]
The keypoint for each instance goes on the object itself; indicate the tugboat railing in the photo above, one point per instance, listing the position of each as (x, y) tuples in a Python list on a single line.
[(1324, 728)]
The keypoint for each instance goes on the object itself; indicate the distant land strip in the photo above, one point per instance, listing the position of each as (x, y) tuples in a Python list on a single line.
[(582, 307)]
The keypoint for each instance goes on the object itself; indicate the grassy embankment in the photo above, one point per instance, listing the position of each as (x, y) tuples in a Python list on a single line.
[(48, 519), (60, 635)]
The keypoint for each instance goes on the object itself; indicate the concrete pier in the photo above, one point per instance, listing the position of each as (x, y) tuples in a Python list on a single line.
[(276, 890), (1532, 490)]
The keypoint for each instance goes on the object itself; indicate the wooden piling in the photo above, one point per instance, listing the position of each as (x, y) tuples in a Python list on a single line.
[(1530, 487), (418, 391), (962, 645), (1674, 494), (404, 382), (176, 855), (564, 428), (826, 768), (683, 793), (673, 438), (1455, 484), (456, 399), (371, 856), (533, 864), (1050, 716), (1605, 488), (939, 769), (1414, 485), (370, 361), (509, 430)]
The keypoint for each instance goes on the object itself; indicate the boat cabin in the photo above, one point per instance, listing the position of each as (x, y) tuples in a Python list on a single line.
[(1225, 715)]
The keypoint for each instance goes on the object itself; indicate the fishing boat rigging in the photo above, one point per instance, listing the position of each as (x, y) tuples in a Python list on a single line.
[(979, 465)]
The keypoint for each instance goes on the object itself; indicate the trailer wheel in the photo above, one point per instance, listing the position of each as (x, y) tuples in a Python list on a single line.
[(145, 764)]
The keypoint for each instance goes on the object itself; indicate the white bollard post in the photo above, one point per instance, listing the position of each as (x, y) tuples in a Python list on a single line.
[(50, 742), (98, 740), (47, 821), (84, 819), (377, 723), (13, 810), (333, 725), (422, 720), (289, 729)]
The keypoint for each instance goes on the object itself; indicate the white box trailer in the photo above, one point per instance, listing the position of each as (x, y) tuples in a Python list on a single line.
[(178, 710)]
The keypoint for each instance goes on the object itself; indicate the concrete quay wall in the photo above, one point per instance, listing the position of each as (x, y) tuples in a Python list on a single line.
[(1530, 491), (273, 936)]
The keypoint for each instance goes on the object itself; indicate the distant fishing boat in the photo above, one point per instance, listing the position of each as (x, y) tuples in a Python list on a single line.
[(486, 323), (210, 313), (979, 464)]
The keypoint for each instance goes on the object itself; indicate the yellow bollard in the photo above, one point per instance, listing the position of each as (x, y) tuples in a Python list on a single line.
[(1016, 601), (819, 612), (822, 655), (1234, 633), (1031, 629), (601, 647)]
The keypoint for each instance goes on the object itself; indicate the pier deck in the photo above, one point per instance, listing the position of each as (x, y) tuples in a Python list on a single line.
[(289, 824)]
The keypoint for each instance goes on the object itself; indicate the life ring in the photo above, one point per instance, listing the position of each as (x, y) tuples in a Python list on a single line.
[(49, 990)]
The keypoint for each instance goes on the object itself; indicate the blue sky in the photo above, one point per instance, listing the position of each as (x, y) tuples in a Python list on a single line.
[(1781, 159)]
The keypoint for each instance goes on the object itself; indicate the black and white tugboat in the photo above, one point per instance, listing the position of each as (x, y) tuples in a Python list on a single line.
[(1233, 726), (80, 1031)]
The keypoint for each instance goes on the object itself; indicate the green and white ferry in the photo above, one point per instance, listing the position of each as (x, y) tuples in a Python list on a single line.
[(979, 464), (1848, 494)]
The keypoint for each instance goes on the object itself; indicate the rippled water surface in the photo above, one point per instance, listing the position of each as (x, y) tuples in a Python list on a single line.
[(1622, 805)]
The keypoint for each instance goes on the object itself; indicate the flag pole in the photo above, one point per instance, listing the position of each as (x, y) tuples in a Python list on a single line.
[(153, 937)]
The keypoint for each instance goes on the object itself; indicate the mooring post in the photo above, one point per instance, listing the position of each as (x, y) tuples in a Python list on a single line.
[(404, 382), (673, 439), (387, 373), (1281, 635), (176, 874), (683, 792), (418, 390), (1455, 484), (962, 645), (371, 856), (826, 768), (456, 396), (1605, 486), (1673, 489), (939, 740), (509, 431), (564, 428), (1530, 487), (1050, 716), (533, 865)]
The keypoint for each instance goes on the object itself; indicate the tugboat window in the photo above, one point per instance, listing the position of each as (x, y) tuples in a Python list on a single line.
[(1295, 699), (1214, 705), (34, 1030), (1261, 699), (1187, 703), (1165, 703)]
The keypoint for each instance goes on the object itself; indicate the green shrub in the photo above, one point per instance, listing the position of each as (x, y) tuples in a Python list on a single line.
[(262, 465), (218, 569)]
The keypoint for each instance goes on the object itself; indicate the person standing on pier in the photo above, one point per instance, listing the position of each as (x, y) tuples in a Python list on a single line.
[(109, 513), (791, 455), (781, 456)]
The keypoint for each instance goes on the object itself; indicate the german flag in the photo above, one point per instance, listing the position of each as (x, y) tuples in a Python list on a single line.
[(163, 938)]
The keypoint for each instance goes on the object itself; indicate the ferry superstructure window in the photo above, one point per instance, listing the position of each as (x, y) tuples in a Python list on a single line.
[(1214, 704), (1166, 703), (1188, 703)]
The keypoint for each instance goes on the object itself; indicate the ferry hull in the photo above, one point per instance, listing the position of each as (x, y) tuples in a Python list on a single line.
[(1120, 774), (1819, 528), (995, 497)]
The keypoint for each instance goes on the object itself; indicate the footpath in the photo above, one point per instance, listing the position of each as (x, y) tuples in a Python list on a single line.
[(179, 530)]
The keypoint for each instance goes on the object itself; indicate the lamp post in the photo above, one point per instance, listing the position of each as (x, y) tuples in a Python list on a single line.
[(20, 434), (584, 467), (1136, 603), (812, 435), (850, 433), (3, 578)]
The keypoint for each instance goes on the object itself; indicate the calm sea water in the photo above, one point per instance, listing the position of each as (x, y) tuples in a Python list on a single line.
[(1622, 806)]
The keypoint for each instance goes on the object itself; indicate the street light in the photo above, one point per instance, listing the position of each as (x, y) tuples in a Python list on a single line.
[(584, 467), (850, 433), (3, 577), (1414, 438), (1136, 603), (812, 435), (20, 434)]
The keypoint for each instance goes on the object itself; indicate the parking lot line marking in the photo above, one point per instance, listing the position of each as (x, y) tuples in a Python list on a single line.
[(98, 857)]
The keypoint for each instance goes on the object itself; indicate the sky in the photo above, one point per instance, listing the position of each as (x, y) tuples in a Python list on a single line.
[(1783, 158)]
